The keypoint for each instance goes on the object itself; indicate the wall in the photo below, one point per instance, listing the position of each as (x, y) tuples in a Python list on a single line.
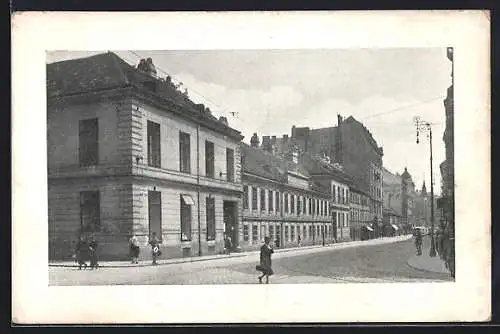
[(170, 126), (63, 135), (64, 216)]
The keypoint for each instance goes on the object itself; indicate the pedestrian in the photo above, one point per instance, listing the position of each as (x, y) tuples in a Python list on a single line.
[(93, 252), (134, 249), (81, 251), (155, 248), (300, 241), (418, 241), (265, 260), (228, 244)]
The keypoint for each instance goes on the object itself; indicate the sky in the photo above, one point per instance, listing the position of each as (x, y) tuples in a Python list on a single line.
[(268, 91)]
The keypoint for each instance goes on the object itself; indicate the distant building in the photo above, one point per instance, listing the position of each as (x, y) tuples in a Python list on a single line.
[(409, 194), (129, 153), (351, 145), (394, 199), (281, 201)]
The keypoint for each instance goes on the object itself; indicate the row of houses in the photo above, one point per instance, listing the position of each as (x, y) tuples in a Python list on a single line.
[(128, 153)]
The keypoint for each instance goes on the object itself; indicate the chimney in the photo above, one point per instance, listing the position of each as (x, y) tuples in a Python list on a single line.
[(147, 66), (294, 134), (223, 120), (254, 141), (338, 141), (266, 143), (285, 138)]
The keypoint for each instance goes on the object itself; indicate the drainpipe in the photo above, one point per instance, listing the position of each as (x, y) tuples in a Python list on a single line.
[(198, 185)]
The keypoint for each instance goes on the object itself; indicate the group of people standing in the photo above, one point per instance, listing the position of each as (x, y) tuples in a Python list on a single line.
[(135, 249), (86, 250)]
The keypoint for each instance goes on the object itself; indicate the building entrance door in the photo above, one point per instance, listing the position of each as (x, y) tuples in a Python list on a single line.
[(230, 209)]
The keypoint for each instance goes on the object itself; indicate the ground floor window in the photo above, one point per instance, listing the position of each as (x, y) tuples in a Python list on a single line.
[(271, 231), (186, 203), (304, 231), (245, 232), (255, 233), (293, 232), (90, 210), (286, 233), (310, 231)]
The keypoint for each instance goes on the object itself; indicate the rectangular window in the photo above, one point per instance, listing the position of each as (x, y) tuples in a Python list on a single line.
[(304, 205), (293, 232), (154, 213), (255, 234), (292, 203), (90, 211), (186, 203), (254, 198), (270, 197), (309, 207), (286, 203), (263, 200), (245, 232), (277, 197), (210, 218), (88, 136), (310, 231), (317, 231), (304, 232), (230, 164), (271, 232), (299, 205), (154, 155), (209, 159), (185, 152), (339, 195), (245, 197), (286, 233)]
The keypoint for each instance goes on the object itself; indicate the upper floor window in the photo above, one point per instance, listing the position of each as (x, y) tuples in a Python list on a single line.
[(88, 142), (299, 205), (262, 199), (154, 155), (292, 203), (277, 201), (270, 200), (230, 164), (286, 203), (254, 198), (185, 152), (245, 197), (209, 159)]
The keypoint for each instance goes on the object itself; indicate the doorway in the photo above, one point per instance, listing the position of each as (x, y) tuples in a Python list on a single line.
[(230, 209)]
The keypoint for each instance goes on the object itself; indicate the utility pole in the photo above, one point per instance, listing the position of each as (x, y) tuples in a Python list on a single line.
[(426, 126)]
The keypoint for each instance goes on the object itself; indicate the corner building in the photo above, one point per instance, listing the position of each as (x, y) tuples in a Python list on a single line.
[(129, 153)]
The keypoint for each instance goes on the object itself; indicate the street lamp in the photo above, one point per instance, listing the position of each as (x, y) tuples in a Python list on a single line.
[(426, 126)]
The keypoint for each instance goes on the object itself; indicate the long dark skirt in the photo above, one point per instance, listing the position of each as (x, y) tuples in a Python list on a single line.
[(265, 270), (134, 251)]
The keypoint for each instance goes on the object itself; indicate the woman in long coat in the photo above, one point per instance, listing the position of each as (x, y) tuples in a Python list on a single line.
[(265, 260), (81, 252)]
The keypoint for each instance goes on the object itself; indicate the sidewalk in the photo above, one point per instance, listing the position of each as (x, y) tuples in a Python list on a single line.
[(304, 249), (426, 263)]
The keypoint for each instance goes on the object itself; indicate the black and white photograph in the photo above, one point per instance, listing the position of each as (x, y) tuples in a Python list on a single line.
[(253, 166), (227, 168)]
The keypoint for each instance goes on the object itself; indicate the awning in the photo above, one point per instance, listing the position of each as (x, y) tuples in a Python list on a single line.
[(395, 227), (369, 228), (187, 199)]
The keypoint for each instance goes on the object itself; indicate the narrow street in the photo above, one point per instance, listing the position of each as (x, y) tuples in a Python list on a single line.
[(382, 263)]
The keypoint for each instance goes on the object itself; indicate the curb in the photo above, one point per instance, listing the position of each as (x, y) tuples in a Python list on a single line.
[(426, 270), (200, 259)]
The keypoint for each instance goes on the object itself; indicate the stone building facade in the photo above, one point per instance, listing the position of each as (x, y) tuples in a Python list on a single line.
[(129, 153), (280, 201), (351, 145)]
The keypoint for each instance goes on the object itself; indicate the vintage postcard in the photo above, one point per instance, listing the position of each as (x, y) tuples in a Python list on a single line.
[(243, 168)]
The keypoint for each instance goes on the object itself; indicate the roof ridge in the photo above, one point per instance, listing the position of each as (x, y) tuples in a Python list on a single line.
[(118, 66)]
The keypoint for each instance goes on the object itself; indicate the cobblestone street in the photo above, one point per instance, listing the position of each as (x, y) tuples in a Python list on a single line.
[(376, 261)]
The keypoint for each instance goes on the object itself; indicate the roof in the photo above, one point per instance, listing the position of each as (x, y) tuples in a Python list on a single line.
[(259, 162), (107, 71), (318, 167), (367, 133)]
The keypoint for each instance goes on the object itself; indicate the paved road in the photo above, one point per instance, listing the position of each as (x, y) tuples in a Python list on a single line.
[(374, 263)]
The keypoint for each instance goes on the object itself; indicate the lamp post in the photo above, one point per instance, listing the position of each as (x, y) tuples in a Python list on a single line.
[(426, 126)]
